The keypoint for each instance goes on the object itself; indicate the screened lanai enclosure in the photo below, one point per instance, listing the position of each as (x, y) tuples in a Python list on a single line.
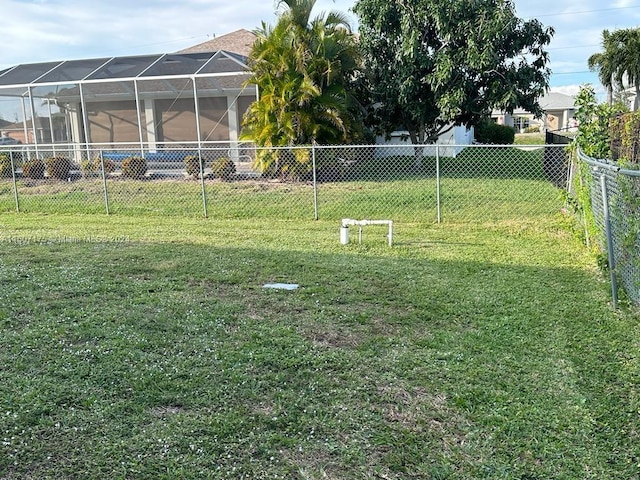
[(161, 107)]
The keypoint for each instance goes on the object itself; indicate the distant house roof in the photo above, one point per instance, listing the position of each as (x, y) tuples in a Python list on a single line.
[(552, 101), (28, 123), (557, 101), (239, 42)]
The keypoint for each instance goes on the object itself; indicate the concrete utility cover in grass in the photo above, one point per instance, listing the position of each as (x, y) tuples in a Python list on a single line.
[(281, 286)]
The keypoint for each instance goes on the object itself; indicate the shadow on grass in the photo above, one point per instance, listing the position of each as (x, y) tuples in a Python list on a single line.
[(169, 360)]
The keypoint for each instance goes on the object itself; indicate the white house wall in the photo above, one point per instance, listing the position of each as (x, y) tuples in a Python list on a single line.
[(450, 143)]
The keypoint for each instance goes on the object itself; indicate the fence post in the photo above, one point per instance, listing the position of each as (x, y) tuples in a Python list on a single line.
[(104, 180), (15, 184), (202, 185), (438, 204), (609, 237), (315, 180)]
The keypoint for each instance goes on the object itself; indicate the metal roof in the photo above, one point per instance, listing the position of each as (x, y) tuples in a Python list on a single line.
[(159, 66)]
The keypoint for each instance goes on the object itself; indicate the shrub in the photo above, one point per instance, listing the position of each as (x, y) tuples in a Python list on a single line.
[(292, 164), (489, 132), (5, 166), (34, 169), (266, 162), (223, 168), (532, 129), (134, 167), (58, 167), (192, 165), (298, 163), (594, 134), (87, 167), (90, 167), (109, 165)]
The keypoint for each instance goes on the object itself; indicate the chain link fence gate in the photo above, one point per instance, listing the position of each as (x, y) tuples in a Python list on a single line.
[(406, 183)]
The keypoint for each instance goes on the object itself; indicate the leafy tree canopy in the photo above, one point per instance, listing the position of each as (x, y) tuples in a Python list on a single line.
[(432, 64)]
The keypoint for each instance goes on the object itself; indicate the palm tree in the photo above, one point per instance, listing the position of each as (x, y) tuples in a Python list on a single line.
[(303, 67), (603, 63), (619, 63), (627, 60)]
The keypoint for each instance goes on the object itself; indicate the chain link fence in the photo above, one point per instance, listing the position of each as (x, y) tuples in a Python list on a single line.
[(614, 194), (406, 183)]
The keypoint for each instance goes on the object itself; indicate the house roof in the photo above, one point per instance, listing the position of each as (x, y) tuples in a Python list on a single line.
[(552, 101), (19, 126), (239, 42), (557, 101)]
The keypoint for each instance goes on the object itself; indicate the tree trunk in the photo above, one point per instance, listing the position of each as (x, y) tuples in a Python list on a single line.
[(417, 139), (636, 101)]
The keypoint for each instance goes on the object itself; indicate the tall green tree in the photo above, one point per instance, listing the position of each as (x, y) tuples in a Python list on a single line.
[(594, 133), (433, 64), (626, 60), (304, 67), (604, 63)]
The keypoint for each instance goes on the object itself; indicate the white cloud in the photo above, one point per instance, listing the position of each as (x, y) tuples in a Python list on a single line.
[(567, 89), (623, 3), (68, 29), (50, 30)]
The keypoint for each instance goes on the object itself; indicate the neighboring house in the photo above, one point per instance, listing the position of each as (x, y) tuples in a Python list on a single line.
[(559, 110), (627, 96), (24, 132)]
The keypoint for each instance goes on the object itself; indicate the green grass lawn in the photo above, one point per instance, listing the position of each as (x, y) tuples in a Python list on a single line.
[(146, 347), (534, 138)]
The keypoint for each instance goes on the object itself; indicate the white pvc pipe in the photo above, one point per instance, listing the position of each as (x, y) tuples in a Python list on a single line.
[(360, 223), (344, 235)]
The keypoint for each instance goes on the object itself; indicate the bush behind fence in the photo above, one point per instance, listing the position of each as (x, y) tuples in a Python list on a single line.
[(406, 183)]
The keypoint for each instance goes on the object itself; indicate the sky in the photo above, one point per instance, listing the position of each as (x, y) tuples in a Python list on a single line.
[(52, 30)]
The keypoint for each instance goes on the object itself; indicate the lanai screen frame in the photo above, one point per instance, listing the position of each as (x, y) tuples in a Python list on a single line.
[(20, 82)]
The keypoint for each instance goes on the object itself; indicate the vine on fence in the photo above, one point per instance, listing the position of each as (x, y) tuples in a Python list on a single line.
[(594, 140), (624, 131), (611, 133)]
